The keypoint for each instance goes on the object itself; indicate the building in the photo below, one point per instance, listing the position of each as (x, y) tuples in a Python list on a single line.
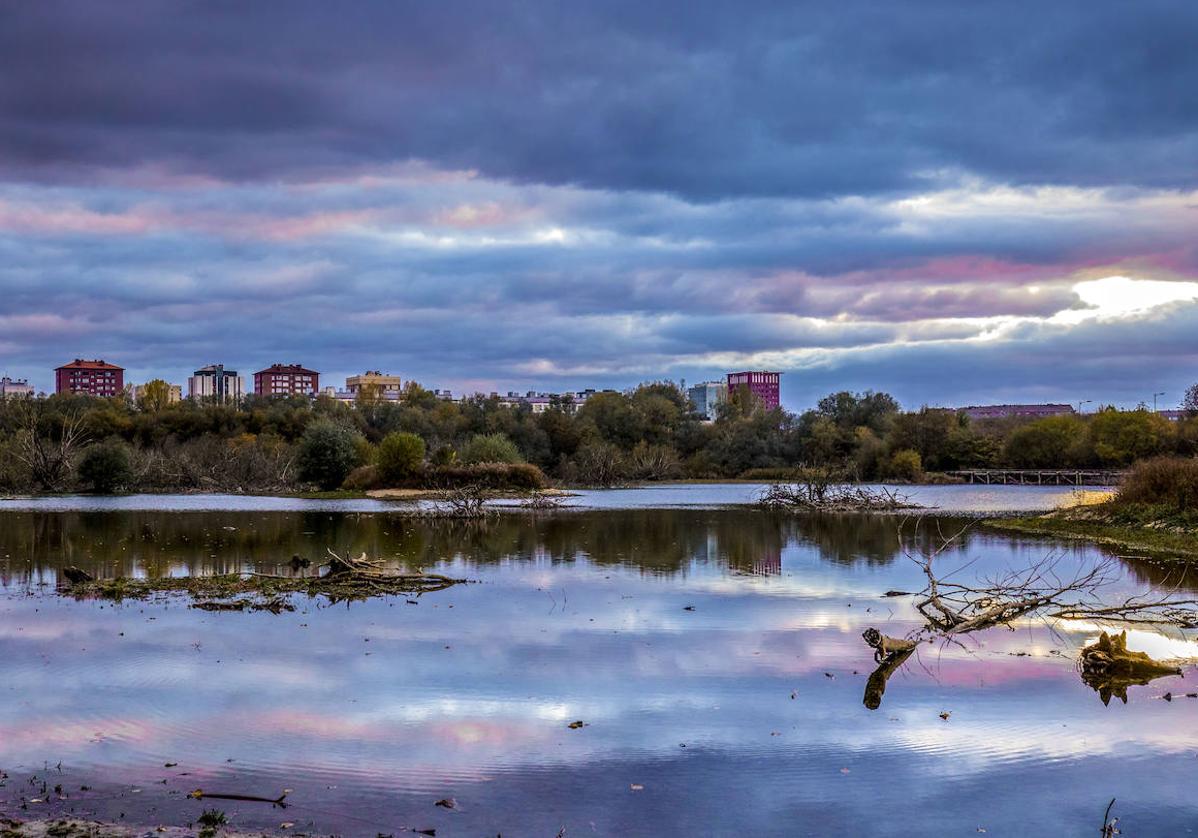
[(1173, 415), (1025, 411), (90, 378), (376, 383), (707, 396), (174, 393), (14, 388), (761, 383), (286, 380), (217, 384)]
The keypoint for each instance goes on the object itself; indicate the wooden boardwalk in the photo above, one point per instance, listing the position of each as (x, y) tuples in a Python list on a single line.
[(1040, 477)]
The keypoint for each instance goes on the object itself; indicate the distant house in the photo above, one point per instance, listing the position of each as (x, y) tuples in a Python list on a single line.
[(90, 378), (14, 388), (286, 380), (215, 383), (761, 383), (174, 392), (707, 396), (1004, 411), (375, 383), (1173, 415)]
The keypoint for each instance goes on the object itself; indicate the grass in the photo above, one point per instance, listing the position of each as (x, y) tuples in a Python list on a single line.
[(1155, 511), (1159, 530)]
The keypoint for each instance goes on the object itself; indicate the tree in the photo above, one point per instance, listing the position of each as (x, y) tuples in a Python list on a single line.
[(47, 440), (1120, 437), (400, 457), (491, 448), (155, 395), (601, 464), (906, 465), (1189, 402), (106, 466), (326, 453), (1052, 442)]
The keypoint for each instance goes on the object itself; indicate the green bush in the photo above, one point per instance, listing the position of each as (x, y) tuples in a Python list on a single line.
[(327, 452), (488, 476), (1162, 481), (905, 465), (107, 466), (491, 448), (1052, 442), (400, 457)]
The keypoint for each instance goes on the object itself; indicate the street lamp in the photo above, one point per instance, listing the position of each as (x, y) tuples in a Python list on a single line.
[(1154, 395), (1079, 405)]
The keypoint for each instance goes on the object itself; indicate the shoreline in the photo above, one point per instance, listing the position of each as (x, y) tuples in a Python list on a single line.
[(1136, 529)]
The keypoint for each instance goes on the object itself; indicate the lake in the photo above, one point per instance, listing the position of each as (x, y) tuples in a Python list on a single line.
[(713, 653)]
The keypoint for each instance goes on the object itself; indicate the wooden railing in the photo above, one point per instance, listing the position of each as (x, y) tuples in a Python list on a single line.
[(1040, 477)]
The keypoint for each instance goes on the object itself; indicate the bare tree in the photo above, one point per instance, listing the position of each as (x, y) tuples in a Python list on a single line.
[(1189, 402), (48, 442)]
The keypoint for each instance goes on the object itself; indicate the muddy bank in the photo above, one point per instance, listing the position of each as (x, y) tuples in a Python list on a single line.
[(78, 828)]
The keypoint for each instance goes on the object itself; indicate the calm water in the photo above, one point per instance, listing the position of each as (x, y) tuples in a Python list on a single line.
[(949, 499), (741, 717)]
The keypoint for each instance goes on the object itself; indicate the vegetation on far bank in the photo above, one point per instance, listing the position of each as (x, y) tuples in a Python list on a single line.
[(1155, 511), (290, 445)]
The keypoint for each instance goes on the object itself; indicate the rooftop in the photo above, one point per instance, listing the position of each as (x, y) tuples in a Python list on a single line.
[(81, 364)]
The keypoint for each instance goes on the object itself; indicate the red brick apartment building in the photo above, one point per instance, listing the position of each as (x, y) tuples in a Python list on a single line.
[(92, 378), (761, 383), (286, 380)]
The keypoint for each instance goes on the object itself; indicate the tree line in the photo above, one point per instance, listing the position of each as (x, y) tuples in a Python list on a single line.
[(64, 442)]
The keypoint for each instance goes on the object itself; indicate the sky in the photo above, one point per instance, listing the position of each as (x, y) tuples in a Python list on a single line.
[(956, 203)]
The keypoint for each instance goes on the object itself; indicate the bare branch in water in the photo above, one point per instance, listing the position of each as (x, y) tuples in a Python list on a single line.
[(953, 608)]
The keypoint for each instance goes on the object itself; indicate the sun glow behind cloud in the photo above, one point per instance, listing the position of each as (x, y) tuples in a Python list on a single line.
[(1120, 297)]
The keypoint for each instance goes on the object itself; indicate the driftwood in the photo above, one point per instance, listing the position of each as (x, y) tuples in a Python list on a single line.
[(885, 647), (1109, 667), (875, 686), (344, 579), (200, 794), (76, 576)]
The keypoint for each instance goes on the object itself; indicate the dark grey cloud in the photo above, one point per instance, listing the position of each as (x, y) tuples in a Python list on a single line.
[(705, 100)]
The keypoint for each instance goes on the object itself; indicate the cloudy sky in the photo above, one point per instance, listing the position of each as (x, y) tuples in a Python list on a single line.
[(954, 202)]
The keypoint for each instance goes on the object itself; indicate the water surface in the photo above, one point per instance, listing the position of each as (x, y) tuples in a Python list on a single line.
[(743, 716)]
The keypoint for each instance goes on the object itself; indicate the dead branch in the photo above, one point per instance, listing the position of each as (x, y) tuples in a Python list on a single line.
[(820, 496), (951, 608), (461, 502), (543, 502)]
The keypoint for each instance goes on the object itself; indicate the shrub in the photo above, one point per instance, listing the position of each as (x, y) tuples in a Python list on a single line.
[(362, 478), (1162, 481), (600, 464), (771, 474), (107, 466), (905, 465), (491, 448), (488, 476), (327, 452), (400, 457), (654, 462), (364, 453)]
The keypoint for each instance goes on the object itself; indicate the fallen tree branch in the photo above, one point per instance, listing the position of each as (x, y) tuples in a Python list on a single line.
[(951, 608)]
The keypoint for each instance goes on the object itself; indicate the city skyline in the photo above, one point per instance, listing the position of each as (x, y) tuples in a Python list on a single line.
[(954, 209)]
